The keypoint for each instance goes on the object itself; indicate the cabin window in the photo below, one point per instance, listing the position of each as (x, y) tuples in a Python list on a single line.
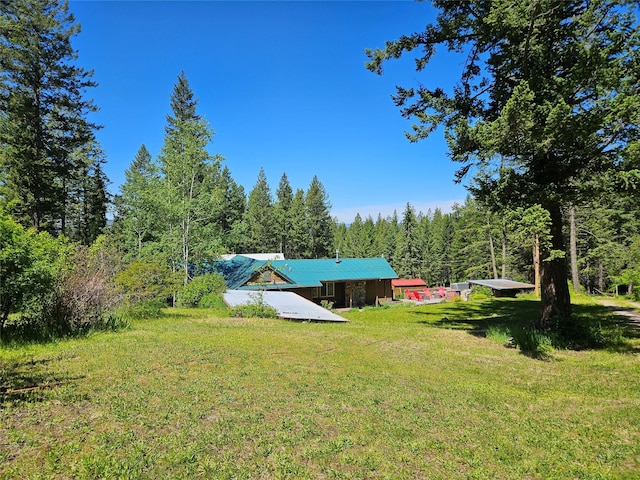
[(326, 290)]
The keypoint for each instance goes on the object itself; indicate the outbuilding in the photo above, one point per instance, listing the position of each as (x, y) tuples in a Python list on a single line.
[(399, 285), (503, 287)]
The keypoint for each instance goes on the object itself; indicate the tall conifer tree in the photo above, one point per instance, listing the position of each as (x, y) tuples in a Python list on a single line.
[(282, 214), (319, 220), (259, 217), (138, 210), (43, 109), (407, 258), (547, 99), (300, 238)]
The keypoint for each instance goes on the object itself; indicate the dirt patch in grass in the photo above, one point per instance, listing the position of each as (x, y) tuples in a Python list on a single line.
[(631, 314)]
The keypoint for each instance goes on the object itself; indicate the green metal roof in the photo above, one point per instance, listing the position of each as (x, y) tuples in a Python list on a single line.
[(305, 273)]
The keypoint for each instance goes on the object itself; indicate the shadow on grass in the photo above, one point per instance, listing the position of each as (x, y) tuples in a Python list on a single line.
[(29, 381), (477, 317), (589, 327)]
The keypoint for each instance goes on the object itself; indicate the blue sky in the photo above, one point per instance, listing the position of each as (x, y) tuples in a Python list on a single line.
[(284, 87)]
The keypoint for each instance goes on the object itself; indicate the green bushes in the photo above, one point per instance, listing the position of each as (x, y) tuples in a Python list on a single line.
[(202, 291), (327, 304), (255, 308), (31, 267), (144, 281), (52, 288), (479, 292)]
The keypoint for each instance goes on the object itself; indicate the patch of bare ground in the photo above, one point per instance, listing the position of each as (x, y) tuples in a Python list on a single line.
[(630, 313)]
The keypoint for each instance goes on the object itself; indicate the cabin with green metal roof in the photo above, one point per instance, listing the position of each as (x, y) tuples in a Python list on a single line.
[(347, 282)]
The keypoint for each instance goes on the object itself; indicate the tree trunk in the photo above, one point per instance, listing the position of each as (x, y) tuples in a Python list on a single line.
[(504, 249), (601, 276), (536, 266), (555, 300), (573, 248), (493, 256)]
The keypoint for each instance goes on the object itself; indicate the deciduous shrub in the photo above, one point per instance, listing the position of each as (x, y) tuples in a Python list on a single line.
[(213, 300), (193, 293), (31, 265), (328, 304), (147, 281), (86, 297), (479, 292), (255, 308)]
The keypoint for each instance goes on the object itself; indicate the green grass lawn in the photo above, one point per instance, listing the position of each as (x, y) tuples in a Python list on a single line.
[(401, 392)]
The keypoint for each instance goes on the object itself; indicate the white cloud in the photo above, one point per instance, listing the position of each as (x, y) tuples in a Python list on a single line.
[(347, 215)]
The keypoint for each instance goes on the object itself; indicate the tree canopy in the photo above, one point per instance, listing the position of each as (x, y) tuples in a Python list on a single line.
[(547, 101), (47, 144)]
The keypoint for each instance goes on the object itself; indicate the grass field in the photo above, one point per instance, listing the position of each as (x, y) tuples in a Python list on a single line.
[(406, 392)]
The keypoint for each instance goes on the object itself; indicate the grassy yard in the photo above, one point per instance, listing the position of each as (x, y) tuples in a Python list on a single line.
[(406, 392)]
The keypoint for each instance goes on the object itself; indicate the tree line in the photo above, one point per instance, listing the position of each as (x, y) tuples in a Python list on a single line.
[(186, 208), (545, 110), (475, 242), (544, 119)]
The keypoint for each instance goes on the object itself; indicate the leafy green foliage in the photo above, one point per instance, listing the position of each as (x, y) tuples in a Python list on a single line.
[(188, 187), (255, 308), (199, 288), (30, 267), (138, 222), (478, 292), (147, 281), (327, 304)]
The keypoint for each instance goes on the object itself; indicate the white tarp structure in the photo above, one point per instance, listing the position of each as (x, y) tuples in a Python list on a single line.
[(503, 284), (287, 304), (255, 256)]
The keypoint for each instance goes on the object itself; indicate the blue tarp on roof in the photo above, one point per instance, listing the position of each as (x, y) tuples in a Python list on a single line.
[(304, 273)]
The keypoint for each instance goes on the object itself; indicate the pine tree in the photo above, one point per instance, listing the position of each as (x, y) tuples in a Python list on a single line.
[(389, 242), (547, 100), (282, 215), (353, 246), (407, 258), (319, 220), (300, 238), (138, 209), (87, 199), (474, 240), (259, 217), (43, 109), (229, 207), (440, 238)]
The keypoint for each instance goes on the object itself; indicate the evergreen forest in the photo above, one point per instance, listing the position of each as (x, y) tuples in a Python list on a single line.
[(71, 252)]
